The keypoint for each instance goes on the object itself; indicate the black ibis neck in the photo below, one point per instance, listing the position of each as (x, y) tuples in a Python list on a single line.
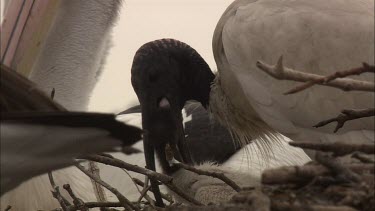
[(201, 80)]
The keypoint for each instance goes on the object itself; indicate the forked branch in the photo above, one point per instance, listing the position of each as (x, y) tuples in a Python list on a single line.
[(347, 115), (336, 80)]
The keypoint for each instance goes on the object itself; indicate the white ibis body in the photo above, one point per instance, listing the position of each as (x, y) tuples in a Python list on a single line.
[(316, 37)]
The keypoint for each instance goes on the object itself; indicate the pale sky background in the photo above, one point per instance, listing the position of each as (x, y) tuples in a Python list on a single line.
[(141, 21)]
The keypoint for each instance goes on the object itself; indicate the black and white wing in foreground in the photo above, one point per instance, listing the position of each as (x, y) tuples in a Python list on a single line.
[(33, 143), (38, 135)]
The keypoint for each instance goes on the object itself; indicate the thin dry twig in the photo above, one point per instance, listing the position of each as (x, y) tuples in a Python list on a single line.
[(122, 199), (164, 196), (8, 208), (145, 195), (165, 179), (79, 203), (366, 68), (338, 148), (280, 72), (347, 115), (64, 203), (98, 189), (217, 175)]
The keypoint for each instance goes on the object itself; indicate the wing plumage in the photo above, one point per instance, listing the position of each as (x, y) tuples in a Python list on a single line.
[(38, 135), (319, 37)]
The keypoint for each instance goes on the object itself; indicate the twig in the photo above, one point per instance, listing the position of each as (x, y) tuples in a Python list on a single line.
[(164, 196), (165, 179), (347, 115), (338, 148), (338, 168), (146, 187), (148, 198), (280, 72), (79, 203), (8, 208), (123, 200), (340, 74), (98, 189), (56, 193), (217, 175)]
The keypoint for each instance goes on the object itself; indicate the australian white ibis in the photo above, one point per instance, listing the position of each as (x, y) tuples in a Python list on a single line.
[(317, 37)]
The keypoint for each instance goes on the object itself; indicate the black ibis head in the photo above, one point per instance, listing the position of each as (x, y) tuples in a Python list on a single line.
[(165, 74)]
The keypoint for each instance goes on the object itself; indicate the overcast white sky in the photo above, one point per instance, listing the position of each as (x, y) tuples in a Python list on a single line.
[(190, 21)]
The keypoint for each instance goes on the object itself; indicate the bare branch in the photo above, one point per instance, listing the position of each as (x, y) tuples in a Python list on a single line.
[(347, 115), (165, 179), (79, 203), (164, 196), (98, 189), (338, 148), (339, 74), (123, 200), (8, 208), (280, 72), (64, 203), (217, 175)]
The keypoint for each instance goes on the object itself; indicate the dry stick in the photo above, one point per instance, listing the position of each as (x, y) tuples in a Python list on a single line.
[(98, 189), (79, 203), (339, 74), (217, 175), (338, 168), (164, 196), (298, 174), (8, 208), (280, 72), (338, 148), (165, 179), (56, 193), (347, 115), (123, 200), (147, 197), (146, 188)]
